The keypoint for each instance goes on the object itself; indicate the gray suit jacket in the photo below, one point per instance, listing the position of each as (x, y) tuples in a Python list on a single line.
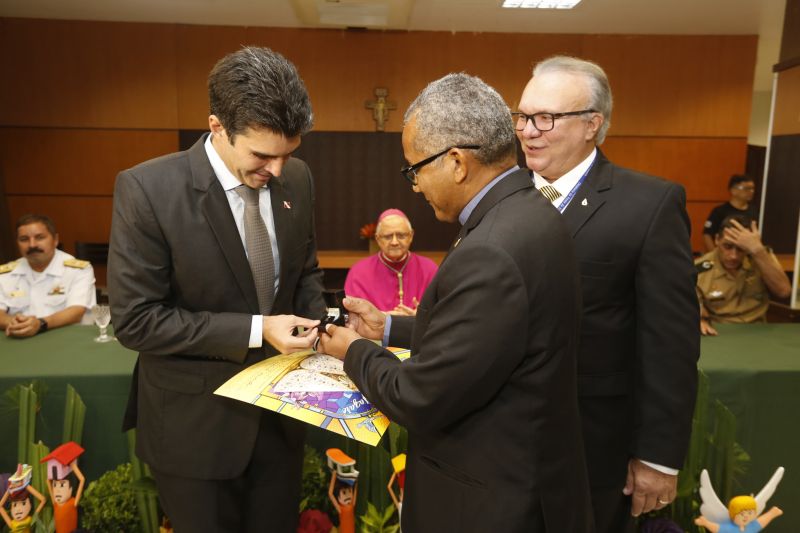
[(182, 294), (489, 395)]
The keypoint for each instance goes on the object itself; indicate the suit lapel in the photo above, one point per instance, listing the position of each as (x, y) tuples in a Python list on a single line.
[(214, 205), (589, 197)]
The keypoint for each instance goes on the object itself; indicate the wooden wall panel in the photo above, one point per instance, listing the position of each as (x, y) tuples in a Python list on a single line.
[(77, 218), (698, 212), (682, 102), (685, 85), (87, 74), (44, 161), (198, 50), (702, 165), (787, 103)]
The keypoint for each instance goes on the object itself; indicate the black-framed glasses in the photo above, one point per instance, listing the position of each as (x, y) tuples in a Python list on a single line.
[(544, 121), (410, 172)]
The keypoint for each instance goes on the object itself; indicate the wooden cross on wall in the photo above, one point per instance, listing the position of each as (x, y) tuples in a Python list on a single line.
[(380, 107)]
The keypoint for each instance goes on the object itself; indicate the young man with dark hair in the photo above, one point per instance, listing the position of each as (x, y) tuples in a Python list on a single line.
[(742, 188), (212, 255)]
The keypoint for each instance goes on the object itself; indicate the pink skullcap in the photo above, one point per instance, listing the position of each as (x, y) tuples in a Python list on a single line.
[(392, 212)]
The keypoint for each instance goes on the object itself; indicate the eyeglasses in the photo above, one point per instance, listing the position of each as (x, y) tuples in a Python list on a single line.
[(748, 188), (399, 235), (410, 172), (543, 121)]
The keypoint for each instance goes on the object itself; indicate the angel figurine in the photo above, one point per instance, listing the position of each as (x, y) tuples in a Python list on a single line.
[(743, 514)]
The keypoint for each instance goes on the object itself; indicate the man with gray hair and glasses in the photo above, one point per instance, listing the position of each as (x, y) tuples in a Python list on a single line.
[(489, 393), (639, 342)]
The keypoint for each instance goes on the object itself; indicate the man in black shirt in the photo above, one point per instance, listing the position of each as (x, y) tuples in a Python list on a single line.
[(741, 188)]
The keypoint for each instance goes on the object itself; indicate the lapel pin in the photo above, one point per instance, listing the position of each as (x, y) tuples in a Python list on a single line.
[(287, 205), (584, 202), (457, 241)]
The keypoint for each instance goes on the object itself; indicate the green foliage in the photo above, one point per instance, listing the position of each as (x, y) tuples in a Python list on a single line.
[(314, 488), (374, 521), (108, 503), (36, 452), (74, 415), (144, 489), (717, 451)]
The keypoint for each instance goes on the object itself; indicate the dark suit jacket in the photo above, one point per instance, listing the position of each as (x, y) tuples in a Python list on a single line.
[(640, 337), (182, 294), (489, 395)]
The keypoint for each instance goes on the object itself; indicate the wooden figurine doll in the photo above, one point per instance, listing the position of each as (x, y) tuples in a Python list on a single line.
[(343, 489), (743, 514), (61, 464), (19, 492), (399, 475)]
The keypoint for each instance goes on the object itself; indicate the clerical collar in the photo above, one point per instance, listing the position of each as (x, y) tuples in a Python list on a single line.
[(394, 265)]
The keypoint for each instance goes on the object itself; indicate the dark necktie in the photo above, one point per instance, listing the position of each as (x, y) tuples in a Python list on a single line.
[(550, 192), (259, 249)]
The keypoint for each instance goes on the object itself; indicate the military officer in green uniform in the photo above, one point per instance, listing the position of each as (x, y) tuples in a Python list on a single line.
[(736, 278), (45, 288)]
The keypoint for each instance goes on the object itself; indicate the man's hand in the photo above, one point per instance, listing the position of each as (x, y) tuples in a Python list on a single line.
[(23, 326), (365, 318), (748, 240), (650, 488), (404, 310), (337, 340), (706, 328), (278, 331)]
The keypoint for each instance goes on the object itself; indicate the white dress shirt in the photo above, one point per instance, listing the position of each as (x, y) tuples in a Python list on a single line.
[(229, 183)]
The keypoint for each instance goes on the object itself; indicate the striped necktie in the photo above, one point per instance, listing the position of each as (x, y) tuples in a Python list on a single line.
[(550, 192), (259, 249)]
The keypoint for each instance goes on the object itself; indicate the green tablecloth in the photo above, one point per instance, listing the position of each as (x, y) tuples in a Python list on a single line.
[(101, 374), (754, 369)]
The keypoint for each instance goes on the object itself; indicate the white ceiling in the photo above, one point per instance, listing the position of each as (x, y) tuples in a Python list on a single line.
[(590, 16), (697, 17)]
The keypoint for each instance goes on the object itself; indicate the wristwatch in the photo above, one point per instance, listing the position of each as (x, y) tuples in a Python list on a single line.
[(42, 326)]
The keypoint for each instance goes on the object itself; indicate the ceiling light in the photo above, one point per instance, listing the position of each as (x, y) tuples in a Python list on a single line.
[(541, 4)]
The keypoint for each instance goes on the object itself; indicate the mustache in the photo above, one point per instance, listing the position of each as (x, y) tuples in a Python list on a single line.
[(34, 250)]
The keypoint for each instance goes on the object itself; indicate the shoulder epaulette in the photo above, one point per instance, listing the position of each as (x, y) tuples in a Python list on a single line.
[(76, 263), (704, 266), (8, 267)]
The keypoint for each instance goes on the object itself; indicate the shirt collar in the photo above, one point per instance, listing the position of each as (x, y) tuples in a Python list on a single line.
[(225, 177), (470, 207), (565, 183)]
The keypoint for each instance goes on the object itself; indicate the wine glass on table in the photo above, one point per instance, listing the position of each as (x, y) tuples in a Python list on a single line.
[(102, 317)]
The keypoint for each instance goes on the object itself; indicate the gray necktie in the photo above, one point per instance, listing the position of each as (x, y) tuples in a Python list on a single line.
[(259, 249), (550, 192)]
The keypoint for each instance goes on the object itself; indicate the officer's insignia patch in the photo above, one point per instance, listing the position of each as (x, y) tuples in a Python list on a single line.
[(8, 267), (76, 263), (704, 266), (58, 289)]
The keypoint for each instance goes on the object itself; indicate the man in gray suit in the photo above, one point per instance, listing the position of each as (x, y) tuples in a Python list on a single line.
[(489, 394), (212, 253)]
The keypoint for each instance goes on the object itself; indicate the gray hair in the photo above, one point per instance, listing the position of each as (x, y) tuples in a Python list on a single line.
[(259, 88), (600, 97), (461, 109)]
